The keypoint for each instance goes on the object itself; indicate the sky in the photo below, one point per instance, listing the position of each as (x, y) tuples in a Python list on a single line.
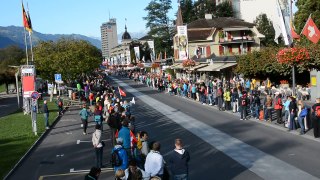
[(78, 16)]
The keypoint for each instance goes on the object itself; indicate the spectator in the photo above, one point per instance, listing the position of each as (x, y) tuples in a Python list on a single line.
[(46, 114), (302, 115), (84, 114), (124, 133), (154, 162), (122, 154), (293, 113), (98, 145), (268, 105), (316, 118), (278, 107), (59, 104), (135, 173), (178, 161), (244, 101)]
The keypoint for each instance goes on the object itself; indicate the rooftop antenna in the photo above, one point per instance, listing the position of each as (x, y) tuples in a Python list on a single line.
[(109, 15)]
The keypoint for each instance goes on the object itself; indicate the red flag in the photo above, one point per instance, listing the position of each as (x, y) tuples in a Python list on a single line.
[(311, 31), (121, 92)]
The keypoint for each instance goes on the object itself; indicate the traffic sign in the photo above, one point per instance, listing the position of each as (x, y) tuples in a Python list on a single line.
[(35, 95), (57, 77)]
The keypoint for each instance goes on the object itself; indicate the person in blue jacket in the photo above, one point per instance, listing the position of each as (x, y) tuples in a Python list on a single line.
[(122, 155), (84, 114), (124, 133)]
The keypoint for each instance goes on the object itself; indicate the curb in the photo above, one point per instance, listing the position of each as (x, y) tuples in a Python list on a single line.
[(35, 144)]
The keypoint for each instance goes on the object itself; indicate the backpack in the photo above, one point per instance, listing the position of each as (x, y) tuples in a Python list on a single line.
[(115, 158), (243, 102), (317, 112)]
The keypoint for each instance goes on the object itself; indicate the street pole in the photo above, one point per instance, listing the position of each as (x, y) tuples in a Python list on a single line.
[(293, 81)]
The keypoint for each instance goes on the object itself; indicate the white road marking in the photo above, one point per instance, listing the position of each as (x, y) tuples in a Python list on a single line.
[(69, 120), (59, 155), (80, 141), (262, 164), (88, 170), (68, 133)]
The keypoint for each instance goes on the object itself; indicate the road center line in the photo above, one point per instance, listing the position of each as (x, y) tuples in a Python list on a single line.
[(260, 163)]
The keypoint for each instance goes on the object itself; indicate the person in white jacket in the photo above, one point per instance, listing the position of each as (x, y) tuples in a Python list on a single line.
[(154, 162), (98, 145)]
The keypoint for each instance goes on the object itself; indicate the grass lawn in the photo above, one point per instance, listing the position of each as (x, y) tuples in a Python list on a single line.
[(16, 136), (2, 87)]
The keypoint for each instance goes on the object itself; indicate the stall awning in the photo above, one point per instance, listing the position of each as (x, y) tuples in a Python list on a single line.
[(217, 66), (177, 66), (198, 66)]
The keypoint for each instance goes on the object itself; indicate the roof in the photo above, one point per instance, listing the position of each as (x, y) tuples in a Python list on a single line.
[(220, 22), (126, 35), (199, 34)]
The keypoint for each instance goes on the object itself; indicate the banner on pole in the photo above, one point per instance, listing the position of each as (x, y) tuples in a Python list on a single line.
[(182, 39)]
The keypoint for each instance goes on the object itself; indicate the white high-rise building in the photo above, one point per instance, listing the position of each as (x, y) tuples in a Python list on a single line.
[(109, 37)]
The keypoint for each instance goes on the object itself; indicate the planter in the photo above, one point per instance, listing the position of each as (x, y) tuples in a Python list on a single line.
[(284, 85), (221, 40)]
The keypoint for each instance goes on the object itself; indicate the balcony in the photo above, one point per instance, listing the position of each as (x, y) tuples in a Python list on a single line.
[(236, 40)]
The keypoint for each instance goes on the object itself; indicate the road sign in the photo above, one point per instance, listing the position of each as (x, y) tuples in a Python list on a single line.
[(57, 77), (35, 95)]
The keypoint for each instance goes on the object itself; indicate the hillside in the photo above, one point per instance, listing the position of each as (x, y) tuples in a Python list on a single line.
[(13, 35)]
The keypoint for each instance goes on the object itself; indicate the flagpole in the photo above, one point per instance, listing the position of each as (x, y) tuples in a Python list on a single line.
[(25, 43), (30, 37)]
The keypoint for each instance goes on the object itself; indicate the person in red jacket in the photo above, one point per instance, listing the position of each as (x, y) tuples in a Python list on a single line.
[(278, 107)]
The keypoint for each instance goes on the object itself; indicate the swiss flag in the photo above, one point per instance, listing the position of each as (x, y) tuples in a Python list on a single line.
[(121, 92), (311, 31)]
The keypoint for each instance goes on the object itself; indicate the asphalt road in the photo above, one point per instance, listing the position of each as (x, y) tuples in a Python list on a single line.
[(221, 146)]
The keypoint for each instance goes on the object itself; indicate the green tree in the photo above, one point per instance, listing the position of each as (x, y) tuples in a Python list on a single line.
[(9, 56), (265, 27), (305, 8), (224, 10), (203, 7), (68, 57), (187, 11), (146, 52), (161, 28)]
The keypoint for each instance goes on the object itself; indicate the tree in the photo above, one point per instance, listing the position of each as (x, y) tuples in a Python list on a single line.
[(10, 56), (265, 27), (161, 28), (305, 8), (204, 7), (224, 10), (68, 57), (187, 11)]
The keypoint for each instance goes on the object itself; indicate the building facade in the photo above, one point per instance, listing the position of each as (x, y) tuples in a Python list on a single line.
[(248, 10), (109, 37), (213, 44)]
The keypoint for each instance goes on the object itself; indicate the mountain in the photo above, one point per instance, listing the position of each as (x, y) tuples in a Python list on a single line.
[(14, 35)]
